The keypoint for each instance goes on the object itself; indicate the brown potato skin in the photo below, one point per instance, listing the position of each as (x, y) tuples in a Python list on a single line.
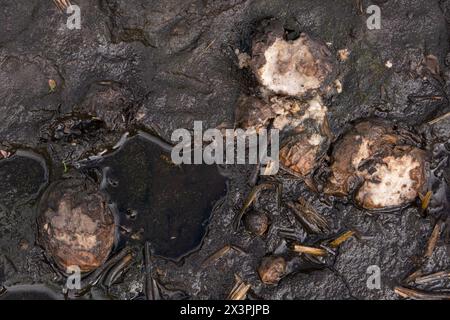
[(272, 269), (300, 156)]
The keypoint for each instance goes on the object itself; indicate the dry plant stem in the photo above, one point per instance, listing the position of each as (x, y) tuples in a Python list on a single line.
[(62, 4), (426, 200), (249, 200), (433, 277), (308, 217), (443, 117), (239, 291), (420, 295), (431, 245), (341, 239), (151, 286), (220, 253), (118, 270), (413, 276), (310, 250)]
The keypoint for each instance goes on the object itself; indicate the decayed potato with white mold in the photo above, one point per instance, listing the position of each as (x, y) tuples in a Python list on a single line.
[(395, 181), (380, 164), (76, 227), (253, 113), (304, 124), (301, 153), (293, 67), (303, 148)]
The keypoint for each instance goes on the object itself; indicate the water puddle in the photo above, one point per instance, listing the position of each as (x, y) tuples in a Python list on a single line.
[(29, 292), (157, 201)]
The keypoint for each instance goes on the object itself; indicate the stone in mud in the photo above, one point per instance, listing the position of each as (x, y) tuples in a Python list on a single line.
[(253, 113), (256, 223), (380, 163), (301, 153), (293, 67), (76, 226)]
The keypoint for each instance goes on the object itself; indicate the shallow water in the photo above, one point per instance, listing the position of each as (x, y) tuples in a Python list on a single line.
[(30, 292), (159, 202)]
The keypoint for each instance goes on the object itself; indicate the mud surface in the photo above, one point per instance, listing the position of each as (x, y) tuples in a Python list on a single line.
[(158, 66)]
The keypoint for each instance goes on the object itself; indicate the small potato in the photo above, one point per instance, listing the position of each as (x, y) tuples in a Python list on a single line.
[(76, 227), (272, 269)]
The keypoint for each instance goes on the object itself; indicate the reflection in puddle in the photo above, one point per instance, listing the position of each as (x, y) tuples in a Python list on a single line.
[(157, 201)]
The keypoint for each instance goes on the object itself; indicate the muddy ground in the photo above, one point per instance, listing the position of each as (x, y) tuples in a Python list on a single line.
[(157, 66)]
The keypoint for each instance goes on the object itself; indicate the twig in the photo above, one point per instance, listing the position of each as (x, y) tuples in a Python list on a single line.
[(420, 295), (220, 253), (341, 239), (433, 277), (62, 4), (431, 245), (240, 289), (317, 252), (151, 286), (443, 117)]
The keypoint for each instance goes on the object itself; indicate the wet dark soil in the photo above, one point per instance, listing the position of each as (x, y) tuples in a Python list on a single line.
[(157, 66)]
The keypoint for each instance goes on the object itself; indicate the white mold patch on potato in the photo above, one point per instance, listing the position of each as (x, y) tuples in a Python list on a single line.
[(393, 183), (255, 113), (308, 140), (292, 68), (380, 164)]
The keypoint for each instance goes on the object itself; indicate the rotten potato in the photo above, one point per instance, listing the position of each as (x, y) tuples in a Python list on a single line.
[(379, 164), (284, 113), (272, 269), (289, 67), (253, 113), (308, 140), (304, 124), (76, 226)]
